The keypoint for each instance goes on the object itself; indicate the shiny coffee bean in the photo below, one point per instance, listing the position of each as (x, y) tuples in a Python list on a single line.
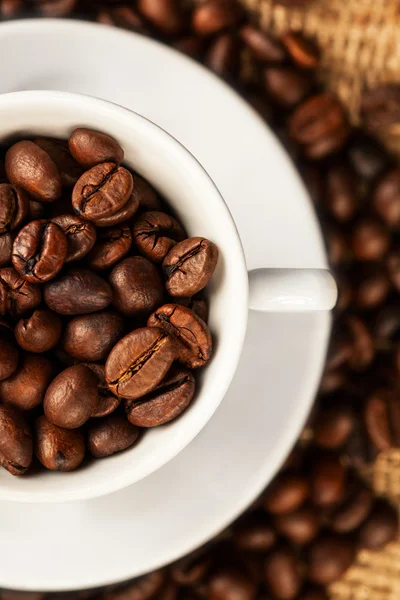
[(327, 480), (386, 199), (69, 169), (380, 107), (107, 402), (14, 205), (9, 357), (155, 233), (102, 191), (286, 86), (380, 528), (165, 15), (139, 362), (121, 216), (263, 47), (146, 195), (40, 332), (189, 266), (283, 574), (382, 419), (77, 292), (254, 533), (329, 558), (71, 398), (213, 16), (80, 235), (299, 527), (110, 435), (39, 251), (15, 441), (193, 341), (354, 510), (229, 584), (370, 240), (372, 287), (89, 338), (137, 287), (6, 244), (286, 493), (90, 148), (223, 55), (17, 296), (342, 194), (303, 51), (56, 448), (27, 386), (112, 245), (165, 403), (333, 426), (31, 168)]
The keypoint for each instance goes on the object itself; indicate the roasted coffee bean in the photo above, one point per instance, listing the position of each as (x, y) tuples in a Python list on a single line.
[(189, 266), (110, 435), (77, 292), (190, 45), (102, 191), (359, 452), (31, 168), (107, 402), (362, 343), (254, 533), (55, 8), (329, 557), (69, 169), (89, 338), (370, 240), (36, 210), (197, 304), (56, 448), (121, 216), (192, 337), (387, 323), (354, 510), (155, 233), (372, 287), (328, 479), (10, 8), (90, 148), (303, 51), (342, 194), (139, 362), (333, 426), (40, 332), (286, 86), (146, 195), (137, 287), (112, 245), (27, 386), (380, 528), (338, 248), (192, 568), (380, 107), (80, 235), (121, 16), (6, 244), (39, 251), (166, 15), (165, 403), (300, 527), (286, 493), (213, 16), (386, 199), (283, 574), (223, 55), (367, 156), (382, 419), (262, 46), (17, 296), (15, 441), (229, 584), (14, 206), (72, 397), (393, 268), (9, 357)]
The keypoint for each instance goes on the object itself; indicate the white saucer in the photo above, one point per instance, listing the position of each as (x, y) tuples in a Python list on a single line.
[(79, 545)]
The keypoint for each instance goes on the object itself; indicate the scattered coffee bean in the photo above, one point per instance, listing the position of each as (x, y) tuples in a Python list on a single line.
[(90, 338), (56, 448), (192, 568), (386, 199), (286, 86), (303, 51), (283, 574), (121, 16), (55, 8), (166, 15), (80, 235), (213, 16), (300, 526), (380, 528), (380, 107), (223, 55), (15, 441), (370, 240), (287, 493), (189, 266), (69, 169), (77, 292), (333, 426), (372, 287), (329, 558), (227, 584), (327, 480), (262, 46), (90, 148), (354, 509), (110, 435), (112, 245), (382, 419), (14, 206), (40, 332), (254, 533), (342, 195)]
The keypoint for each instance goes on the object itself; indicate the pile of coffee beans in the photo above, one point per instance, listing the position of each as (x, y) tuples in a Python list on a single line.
[(102, 315)]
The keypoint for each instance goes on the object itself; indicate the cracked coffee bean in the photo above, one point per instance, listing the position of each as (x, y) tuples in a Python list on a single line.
[(189, 266), (112, 245), (17, 296), (155, 233)]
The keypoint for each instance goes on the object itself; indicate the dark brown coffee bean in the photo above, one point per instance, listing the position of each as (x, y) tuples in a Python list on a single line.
[(342, 194), (121, 16), (112, 245), (165, 403), (36, 210), (314, 593), (17, 296), (362, 343), (286, 493), (56, 448), (40, 332), (333, 426), (6, 244), (328, 479), (15, 441), (213, 16), (372, 287), (55, 8), (58, 151), (197, 304), (189, 266), (223, 55), (121, 216), (10, 8), (370, 240), (80, 235), (338, 248), (90, 338), (190, 45), (139, 362), (39, 251), (78, 292), (367, 156), (146, 195), (393, 268), (9, 357), (192, 337), (166, 15), (262, 46), (27, 386), (137, 286), (283, 574), (380, 107), (90, 148), (110, 435), (102, 191), (386, 199), (299, 527), (303, 51), (31, 168), (329, 557), (286, 86), (382, 419), (14, 206), (358, 450), (387, 323), (155, 233), (354, 510), (192, 568), (107, 401), (255, 533), (72, 397), (227, 584), (380, 528)]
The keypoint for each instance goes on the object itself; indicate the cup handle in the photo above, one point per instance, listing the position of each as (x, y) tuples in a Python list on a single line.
[(292, 290)]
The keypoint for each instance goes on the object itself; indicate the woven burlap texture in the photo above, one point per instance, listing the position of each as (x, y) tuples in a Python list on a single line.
[(360, 42)]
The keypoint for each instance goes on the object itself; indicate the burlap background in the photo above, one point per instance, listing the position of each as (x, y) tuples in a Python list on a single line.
[(360, 40)]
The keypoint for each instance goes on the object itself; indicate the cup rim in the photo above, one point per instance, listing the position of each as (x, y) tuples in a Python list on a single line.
[(126, 478)]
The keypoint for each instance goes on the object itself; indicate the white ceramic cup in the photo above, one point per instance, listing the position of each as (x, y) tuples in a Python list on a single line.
[(177, 175)]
